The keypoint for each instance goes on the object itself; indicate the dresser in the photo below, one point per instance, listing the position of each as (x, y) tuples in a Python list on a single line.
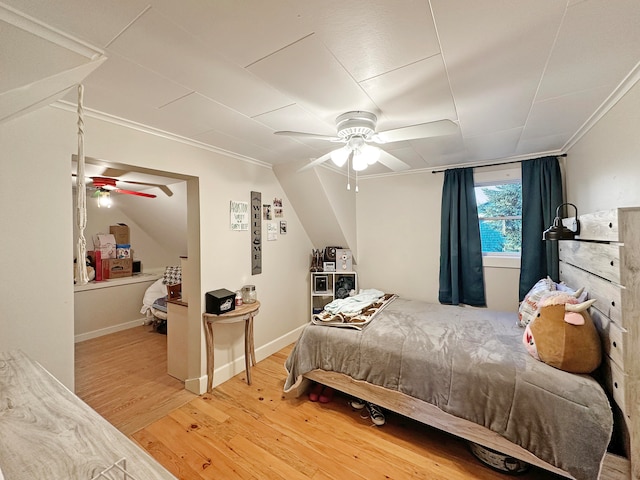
[(48, 432), (605, 260)]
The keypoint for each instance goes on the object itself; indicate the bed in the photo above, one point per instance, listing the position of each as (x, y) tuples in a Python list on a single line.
[(478, 382)]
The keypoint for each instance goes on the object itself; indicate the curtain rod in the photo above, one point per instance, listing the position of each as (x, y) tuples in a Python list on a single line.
[(495, 164)]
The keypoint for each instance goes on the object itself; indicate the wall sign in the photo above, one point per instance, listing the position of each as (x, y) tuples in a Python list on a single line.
[(256, 233), (239, 215)]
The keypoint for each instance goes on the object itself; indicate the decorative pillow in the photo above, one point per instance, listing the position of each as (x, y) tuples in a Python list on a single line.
[(580, 294), (172, 275), (529, 305)]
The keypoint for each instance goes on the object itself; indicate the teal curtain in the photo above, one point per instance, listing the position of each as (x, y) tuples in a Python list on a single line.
[(541, 195), (461, 277)]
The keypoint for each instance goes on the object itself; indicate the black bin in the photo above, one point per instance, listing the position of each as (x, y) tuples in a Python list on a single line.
[(220, 301)]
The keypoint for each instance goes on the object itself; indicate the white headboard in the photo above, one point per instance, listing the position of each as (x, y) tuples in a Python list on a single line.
[(605, 259)]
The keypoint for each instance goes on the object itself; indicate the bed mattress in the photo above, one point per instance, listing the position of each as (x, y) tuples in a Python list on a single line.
[(471, 363)]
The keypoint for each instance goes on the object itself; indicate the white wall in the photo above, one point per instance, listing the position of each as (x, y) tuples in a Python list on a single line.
[(399, 241), (603, 168), (399, 234), (113, 307), (36, 259)]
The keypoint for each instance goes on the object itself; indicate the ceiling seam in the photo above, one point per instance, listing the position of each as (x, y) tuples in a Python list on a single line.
[(278, 50), (544, 70), (126, 27), (176, 99), (444, 62), (399, 68)]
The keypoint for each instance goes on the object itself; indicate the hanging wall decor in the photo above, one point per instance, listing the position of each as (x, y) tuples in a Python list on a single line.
[(266, 212), (272, 231), (256, 233), (239, 215)]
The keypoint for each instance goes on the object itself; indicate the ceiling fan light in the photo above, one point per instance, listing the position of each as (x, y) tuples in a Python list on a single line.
[(371, 154), (359, 162), (104, 199), (339, 156)]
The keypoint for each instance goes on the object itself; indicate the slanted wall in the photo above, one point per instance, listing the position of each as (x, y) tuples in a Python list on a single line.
[(326, 209)]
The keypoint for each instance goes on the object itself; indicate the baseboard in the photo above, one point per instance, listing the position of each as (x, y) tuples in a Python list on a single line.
[(107, 330), (196, 385), (227, 371), (279, 343)]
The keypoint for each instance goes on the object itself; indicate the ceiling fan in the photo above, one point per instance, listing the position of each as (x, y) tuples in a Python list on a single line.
[(103, 187), (109, 184), (106, 182), (357, 130)]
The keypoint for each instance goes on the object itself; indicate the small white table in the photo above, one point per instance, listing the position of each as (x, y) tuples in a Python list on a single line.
[(243, 313)]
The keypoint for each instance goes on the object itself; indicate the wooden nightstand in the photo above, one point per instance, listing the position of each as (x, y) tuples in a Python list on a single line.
[(243, 313)]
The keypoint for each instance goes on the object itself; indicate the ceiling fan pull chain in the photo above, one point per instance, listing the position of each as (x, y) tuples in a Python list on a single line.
[(356, 181), (348, 165)]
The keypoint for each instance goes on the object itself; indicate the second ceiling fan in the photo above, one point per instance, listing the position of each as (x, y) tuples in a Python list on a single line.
[(357, 131)]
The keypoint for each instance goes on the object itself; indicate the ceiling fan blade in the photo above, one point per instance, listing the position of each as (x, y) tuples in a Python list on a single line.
[(421, 130), (392, 162), (113, 172), (165, 189), (131, 192), (318, 136), (315, 162)]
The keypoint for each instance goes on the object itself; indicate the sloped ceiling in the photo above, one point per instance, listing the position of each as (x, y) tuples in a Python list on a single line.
[(39, 64), (518, 79)]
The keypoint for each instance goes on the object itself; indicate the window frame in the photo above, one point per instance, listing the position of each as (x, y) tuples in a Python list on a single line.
[(491, 176)]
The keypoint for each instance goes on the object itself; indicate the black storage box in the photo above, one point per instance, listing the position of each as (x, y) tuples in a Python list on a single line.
[(220, 301)]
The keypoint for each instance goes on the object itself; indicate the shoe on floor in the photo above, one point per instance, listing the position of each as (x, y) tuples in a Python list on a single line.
[(314, 394), (377, 417), (327, 395), (357, 404)]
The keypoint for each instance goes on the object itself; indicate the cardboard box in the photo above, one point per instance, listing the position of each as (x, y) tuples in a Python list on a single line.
[(117, 268), (220, 301), (121, 233), (106, 243)]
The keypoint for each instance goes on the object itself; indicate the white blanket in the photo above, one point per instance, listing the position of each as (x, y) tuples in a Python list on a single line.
[(355, 304)]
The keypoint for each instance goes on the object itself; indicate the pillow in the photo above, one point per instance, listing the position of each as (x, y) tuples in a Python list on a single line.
[(172, 275), (580, 294), (529, 306)]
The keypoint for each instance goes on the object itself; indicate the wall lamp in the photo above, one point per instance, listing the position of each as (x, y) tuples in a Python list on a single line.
[(558, 231)]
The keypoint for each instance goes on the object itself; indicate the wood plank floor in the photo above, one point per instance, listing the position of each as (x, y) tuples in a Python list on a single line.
[(242, 431), (123, 376)]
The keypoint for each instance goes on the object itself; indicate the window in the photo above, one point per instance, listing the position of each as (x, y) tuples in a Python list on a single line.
[(500, 216)]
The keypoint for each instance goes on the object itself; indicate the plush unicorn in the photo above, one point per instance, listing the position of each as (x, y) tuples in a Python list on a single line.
[(562, 334)]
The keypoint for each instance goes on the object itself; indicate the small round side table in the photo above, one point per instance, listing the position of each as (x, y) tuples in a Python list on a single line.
[(243, 313)]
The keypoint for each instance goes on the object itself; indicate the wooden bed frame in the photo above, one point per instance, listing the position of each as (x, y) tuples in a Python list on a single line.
[(605, 259)]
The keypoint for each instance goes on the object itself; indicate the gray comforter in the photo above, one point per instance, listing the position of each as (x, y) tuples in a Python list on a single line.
[(470, 363)]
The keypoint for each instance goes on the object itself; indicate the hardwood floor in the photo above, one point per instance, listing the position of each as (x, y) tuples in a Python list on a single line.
[(242, 431), (123, 376)]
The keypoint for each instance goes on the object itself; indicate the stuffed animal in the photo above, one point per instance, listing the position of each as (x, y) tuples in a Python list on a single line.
[(91, 273), (563, 335)]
